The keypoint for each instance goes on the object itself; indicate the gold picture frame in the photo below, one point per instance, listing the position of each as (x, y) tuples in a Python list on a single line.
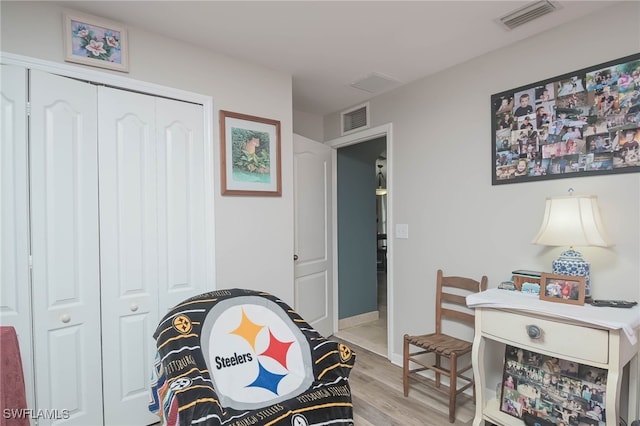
[(562, 288)]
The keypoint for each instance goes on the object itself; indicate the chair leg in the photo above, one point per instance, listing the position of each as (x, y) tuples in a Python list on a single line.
[(438, 374), (405, 366), (453, 387)]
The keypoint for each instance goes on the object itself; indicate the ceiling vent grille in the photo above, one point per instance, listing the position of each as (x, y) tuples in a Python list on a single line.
[(356, 118), (527, 14)]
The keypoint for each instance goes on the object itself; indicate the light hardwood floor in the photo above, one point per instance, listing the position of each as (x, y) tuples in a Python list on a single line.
[(378, 399), (371, 335), (376, 383)]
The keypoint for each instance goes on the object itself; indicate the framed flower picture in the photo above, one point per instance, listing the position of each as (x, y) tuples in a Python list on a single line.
[(91, 40)]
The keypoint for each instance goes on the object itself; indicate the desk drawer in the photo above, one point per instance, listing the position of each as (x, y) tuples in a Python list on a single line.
[(569, 341)]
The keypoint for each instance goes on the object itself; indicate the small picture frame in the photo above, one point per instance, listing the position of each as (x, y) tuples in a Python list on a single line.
[(562, 288), (250, 155), (94, 41)]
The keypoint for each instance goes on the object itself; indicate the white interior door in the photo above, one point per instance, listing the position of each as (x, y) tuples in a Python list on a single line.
[(313, 246), (15, 303), (128, 252), (64, 226), (181, 202)]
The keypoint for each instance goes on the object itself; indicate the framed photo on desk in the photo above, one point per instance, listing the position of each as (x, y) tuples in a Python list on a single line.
[(562, 289)]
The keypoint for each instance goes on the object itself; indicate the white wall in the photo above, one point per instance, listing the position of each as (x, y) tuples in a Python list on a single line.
[(254, 235), (308, 125), (442, 166)]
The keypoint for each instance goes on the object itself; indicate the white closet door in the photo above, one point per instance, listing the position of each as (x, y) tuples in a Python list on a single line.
[(128, 252), (181, 202), (64, 218), (14, 213)]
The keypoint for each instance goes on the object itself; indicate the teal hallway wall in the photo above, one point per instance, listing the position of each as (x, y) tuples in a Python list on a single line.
[(357, 274)]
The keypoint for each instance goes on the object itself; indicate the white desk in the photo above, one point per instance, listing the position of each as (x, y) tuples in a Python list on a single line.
[(601, 337)]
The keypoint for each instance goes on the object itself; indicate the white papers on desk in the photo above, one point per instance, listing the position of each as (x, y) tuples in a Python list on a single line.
[(627, 319)]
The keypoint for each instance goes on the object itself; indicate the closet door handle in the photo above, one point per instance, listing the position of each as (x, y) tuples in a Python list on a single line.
[(133, 307), (65, 318), (295, 257)]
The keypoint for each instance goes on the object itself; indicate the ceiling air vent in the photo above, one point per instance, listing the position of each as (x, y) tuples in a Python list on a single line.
[(527, 14), (356, 118), (375, 83)]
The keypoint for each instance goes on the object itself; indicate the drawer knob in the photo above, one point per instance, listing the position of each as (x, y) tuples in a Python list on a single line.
[(534, 331)]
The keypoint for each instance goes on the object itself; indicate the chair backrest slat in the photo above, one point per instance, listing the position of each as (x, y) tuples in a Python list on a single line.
[(457, 315), (451, 292), (454, 299)]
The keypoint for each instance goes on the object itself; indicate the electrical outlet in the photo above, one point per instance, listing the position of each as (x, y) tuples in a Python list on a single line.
[(402, 230)]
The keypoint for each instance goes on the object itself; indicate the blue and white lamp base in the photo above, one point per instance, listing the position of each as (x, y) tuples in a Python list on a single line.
[(571, 263)]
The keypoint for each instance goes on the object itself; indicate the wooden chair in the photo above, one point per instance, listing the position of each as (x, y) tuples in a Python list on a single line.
[(451, 305)]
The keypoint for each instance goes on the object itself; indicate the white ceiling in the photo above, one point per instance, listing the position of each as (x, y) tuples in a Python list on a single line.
[(327, 45)]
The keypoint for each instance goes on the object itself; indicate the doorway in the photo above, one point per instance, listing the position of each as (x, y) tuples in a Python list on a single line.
[(364, 271)]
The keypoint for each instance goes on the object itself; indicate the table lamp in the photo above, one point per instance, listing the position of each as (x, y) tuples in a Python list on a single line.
[(572, 220)]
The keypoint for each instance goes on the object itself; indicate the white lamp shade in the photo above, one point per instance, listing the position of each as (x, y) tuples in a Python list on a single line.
[(572, 221)]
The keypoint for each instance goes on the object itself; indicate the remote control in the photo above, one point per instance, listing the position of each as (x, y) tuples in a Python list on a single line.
[(614, 303)]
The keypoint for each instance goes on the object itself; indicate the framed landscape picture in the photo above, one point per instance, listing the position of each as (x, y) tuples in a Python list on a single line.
[(250, 155), (583, 123)]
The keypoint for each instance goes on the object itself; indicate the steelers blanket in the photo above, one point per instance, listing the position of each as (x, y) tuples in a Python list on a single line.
[(238, 357)]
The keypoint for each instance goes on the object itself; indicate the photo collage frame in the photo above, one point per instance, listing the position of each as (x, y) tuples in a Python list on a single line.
[(583, 123), (561, 392)]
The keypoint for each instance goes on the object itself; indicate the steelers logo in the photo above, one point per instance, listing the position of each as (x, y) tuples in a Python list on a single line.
[(299, 420), (181, 383), (182, 324), (345, 352), (256, 355)]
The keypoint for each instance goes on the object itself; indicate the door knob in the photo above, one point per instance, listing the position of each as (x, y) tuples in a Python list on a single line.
[(295, 257), (65, 318), (133, 307)]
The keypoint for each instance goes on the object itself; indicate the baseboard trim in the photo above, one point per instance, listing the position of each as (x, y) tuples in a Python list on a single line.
[(358, 319)]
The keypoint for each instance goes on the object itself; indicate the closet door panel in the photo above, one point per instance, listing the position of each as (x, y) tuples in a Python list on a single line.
[(15, 300), (181, 201), (64, 226), (128, 249), (14, 262)]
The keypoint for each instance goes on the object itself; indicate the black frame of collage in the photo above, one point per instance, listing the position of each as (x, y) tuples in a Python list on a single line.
[(583, 123), (558, 391)]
